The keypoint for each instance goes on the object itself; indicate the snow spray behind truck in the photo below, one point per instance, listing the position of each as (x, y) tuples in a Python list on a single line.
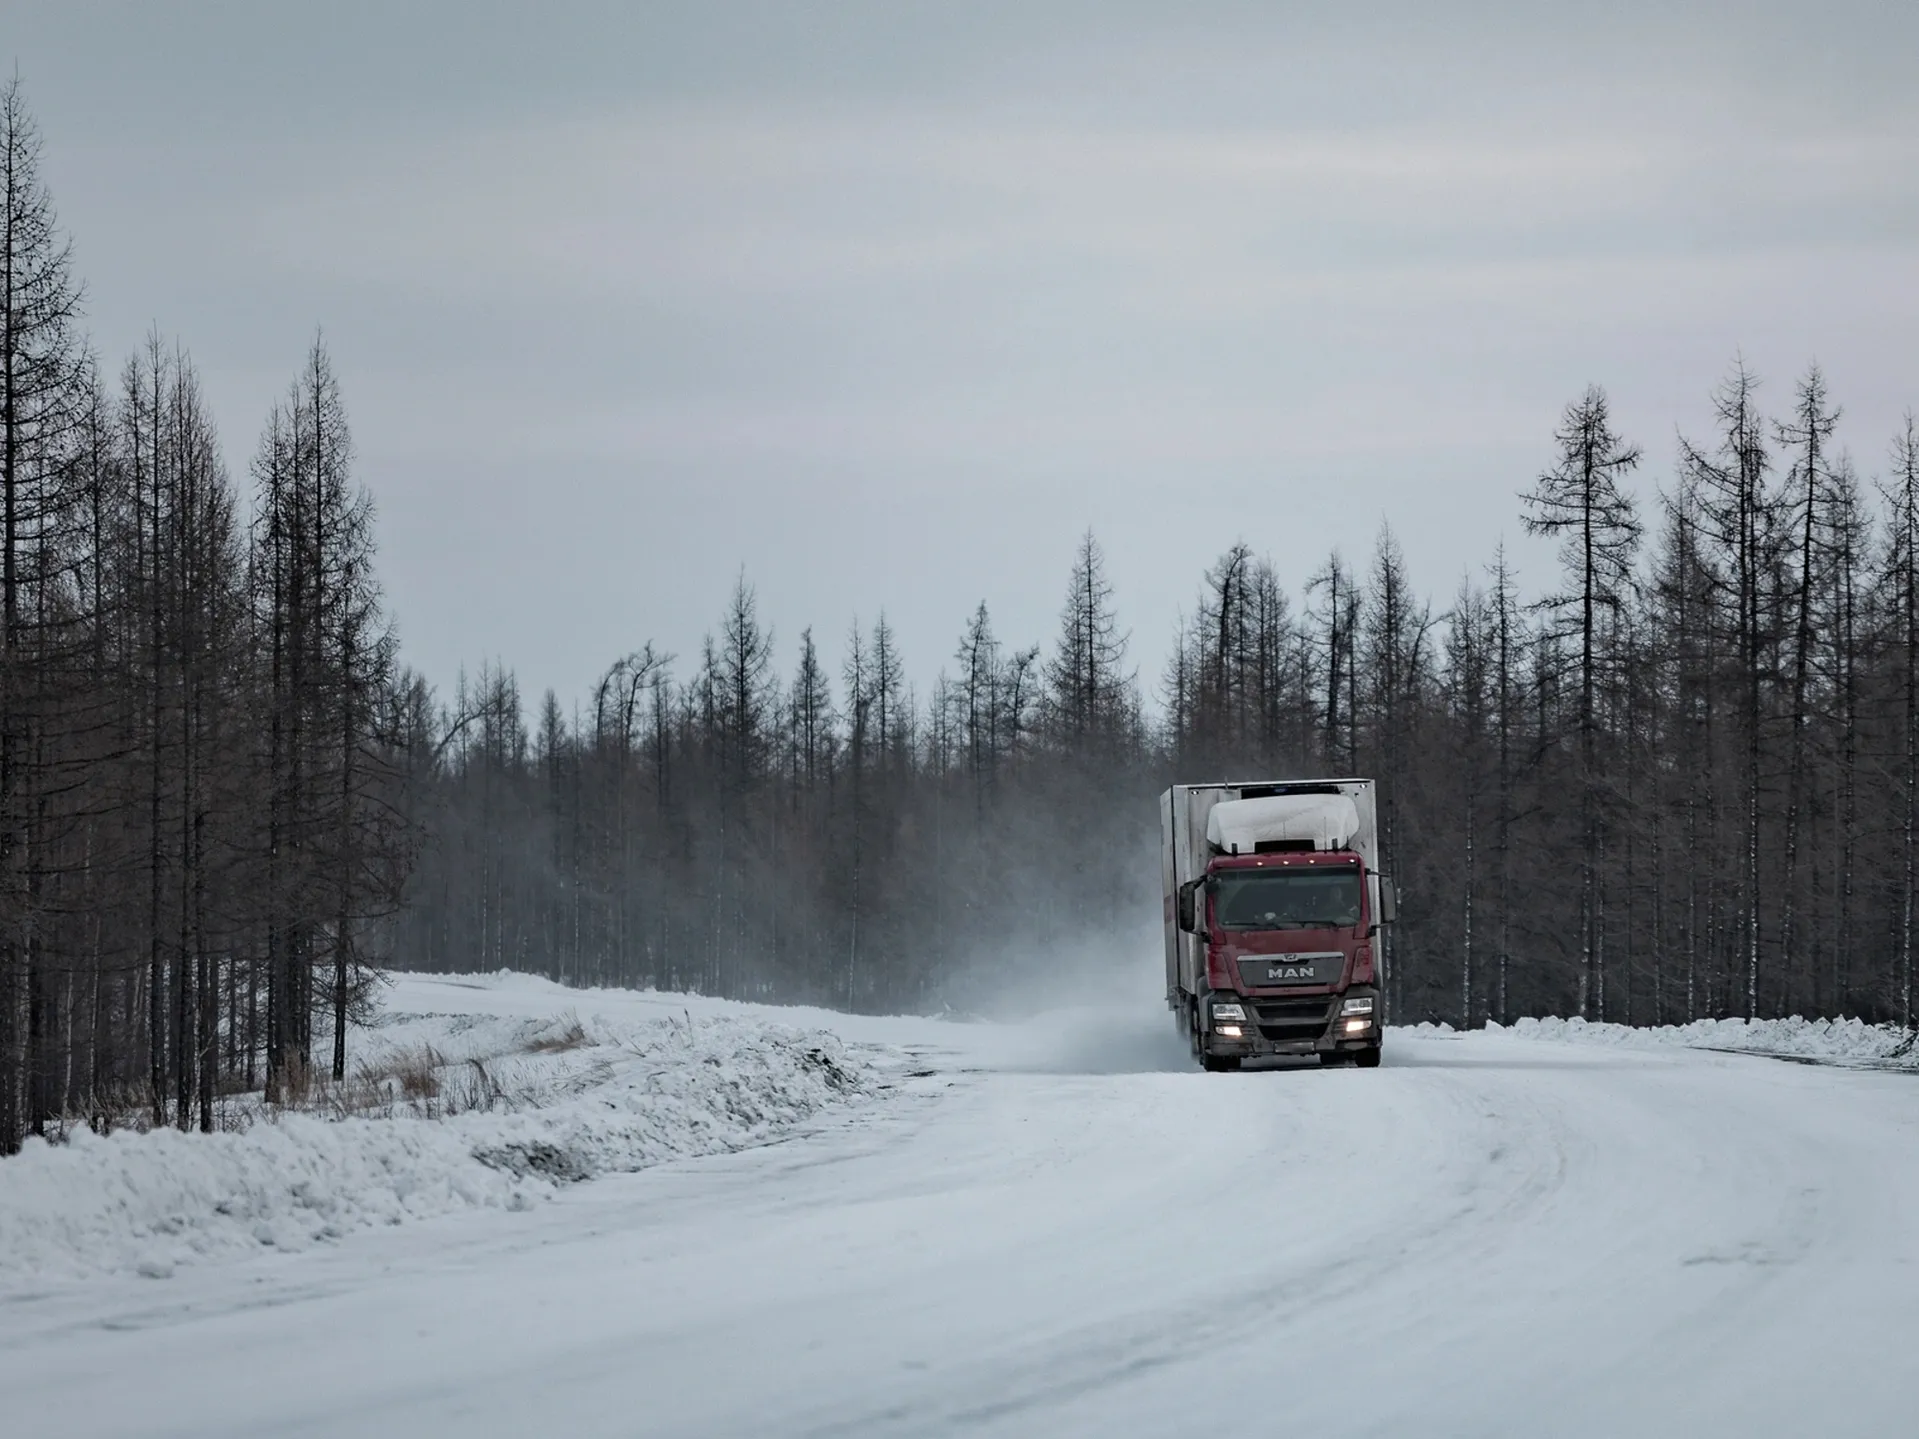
[(1273, 906)]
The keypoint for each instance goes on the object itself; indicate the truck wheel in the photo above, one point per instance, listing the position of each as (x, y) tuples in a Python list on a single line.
[(1219, 1063), (1367, 1058)]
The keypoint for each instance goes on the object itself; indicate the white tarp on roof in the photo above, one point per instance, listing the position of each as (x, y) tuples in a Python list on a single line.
[(1236, 826)]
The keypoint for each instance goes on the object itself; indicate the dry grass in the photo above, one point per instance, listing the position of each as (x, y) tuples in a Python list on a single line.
[(419, 1081), (571, 1036), (417, 1072)]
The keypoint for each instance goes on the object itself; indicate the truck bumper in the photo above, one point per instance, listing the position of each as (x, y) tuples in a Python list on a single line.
[(1279, 1026)]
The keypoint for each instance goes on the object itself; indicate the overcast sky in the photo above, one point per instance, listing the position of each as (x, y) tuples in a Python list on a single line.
[(888, 303)]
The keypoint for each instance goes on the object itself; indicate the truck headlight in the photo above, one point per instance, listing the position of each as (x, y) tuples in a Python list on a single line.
[(1362, 1005), (1235, 1012)]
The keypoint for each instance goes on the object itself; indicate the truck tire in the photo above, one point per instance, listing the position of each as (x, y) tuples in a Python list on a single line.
[(1367, 1058)]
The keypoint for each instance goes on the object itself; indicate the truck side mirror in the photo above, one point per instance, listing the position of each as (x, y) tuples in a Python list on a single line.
[(1188, 906)]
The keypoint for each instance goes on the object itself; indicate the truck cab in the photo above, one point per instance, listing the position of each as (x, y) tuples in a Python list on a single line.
[(1274, 911)]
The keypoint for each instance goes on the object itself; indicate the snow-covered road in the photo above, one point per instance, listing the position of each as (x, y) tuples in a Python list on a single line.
[(1061, 1229)]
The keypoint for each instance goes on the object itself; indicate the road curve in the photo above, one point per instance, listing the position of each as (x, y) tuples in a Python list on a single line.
[(1062, 1230)]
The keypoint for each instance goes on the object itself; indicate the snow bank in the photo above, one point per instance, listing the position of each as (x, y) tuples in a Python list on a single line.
[(471, 1111), (1824, 1041)]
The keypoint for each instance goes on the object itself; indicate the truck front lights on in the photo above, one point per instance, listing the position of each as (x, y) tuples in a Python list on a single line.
[(1361, 1005), (1228, 1020)]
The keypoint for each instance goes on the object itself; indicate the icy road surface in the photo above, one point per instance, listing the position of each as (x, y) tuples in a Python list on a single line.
[(1062, 1230)]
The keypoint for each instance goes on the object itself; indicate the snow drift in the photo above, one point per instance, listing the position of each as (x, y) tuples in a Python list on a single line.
[(1821, 1041), (485, 1112)]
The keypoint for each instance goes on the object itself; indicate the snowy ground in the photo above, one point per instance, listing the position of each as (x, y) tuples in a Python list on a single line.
[(471, 1094), (1053, 1228)]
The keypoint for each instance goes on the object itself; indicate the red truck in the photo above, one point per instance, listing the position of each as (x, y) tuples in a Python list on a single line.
[(1273, 907)]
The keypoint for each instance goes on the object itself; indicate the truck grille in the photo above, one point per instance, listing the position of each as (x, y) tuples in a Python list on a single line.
[(1283, 1019)]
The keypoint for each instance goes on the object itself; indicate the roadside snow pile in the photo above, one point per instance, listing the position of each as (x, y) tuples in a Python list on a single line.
[(1824, 1041), (472, 1112)]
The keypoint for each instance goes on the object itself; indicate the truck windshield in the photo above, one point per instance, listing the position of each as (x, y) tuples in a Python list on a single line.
[(1286, 899)]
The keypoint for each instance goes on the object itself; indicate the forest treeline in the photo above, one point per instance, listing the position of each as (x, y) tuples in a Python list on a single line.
[(1681, 783), (1678, 777), (201, 824)]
